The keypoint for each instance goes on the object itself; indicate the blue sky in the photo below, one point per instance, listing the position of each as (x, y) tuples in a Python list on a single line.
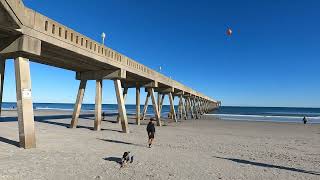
[(272, 58)]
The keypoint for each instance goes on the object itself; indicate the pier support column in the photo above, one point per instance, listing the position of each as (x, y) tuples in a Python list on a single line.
[(204, 107), (198, 106), (173, 114), (138, 105), (179, 109), (183, 110), (201, 107), (191, 107), (207, 107), (2, 70), (125, 93), (24, 103), (145, 108), (161, 103), (98, 105), (121, 106), (158, 100), (195, 108), (196, 100), (77, 106), (186, 107), (155, 106)]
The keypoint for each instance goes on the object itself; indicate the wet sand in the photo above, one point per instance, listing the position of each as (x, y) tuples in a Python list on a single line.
[(191, 149)]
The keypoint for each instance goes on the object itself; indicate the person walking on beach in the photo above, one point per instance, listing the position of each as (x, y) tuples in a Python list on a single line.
[(151, 131), (304, 120), (103, 115)]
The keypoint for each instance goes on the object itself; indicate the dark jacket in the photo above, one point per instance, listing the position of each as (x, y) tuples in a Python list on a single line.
[(151, 128)]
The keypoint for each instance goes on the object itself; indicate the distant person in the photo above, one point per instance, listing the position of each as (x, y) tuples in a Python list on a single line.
[(126, 158), (151, 131), (103, 115), (304, 120)]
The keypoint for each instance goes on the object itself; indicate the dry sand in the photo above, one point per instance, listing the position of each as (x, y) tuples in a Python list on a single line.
[(191, 149)]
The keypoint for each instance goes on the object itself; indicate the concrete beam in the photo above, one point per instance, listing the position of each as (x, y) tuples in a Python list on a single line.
[(164, 90), (137, 83), (102, 74), (179, 93), (24, 44), (12, 14), (152, 84)]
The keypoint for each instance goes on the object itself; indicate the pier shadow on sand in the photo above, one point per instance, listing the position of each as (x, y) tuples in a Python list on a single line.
[(242, 161), (9, 141), (49, 119), (113, 159), (121, 142), (46, 119)]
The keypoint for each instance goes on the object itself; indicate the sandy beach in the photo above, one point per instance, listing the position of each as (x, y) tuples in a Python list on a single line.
[(191, 149)]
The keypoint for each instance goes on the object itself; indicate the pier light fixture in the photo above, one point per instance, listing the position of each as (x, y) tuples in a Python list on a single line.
[(103, 36)]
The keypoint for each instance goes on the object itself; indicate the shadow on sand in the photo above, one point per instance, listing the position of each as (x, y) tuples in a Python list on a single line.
[(113, 159), (47, 119), (242, 161), (9, 141), (121, 142)]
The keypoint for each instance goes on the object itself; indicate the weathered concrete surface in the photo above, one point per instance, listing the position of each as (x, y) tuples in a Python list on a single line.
[(27, 35), (24, 103)]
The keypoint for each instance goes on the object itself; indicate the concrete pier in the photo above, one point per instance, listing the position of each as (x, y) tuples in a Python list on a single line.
[(26, 35)]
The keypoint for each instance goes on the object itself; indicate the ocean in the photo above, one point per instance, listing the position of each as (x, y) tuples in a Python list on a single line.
[(108, 108), (269, 114)]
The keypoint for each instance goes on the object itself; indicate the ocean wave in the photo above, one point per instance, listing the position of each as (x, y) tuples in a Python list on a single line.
[(47, 108), (259, 116), (295, 113), (262, 118), (6, 109)]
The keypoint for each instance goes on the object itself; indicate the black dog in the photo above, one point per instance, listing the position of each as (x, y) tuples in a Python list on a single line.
[(126, 157)]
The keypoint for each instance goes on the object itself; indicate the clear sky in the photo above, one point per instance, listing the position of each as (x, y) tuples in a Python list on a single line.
[(272, 58)]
